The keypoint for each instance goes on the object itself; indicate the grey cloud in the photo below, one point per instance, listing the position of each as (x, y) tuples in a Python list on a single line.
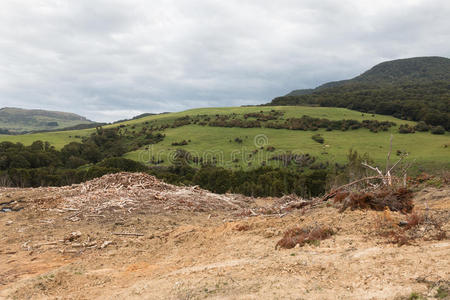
[(112, 59)]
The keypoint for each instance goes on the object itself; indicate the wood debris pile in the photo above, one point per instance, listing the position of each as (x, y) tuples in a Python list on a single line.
[(394, 199), (126, 192)]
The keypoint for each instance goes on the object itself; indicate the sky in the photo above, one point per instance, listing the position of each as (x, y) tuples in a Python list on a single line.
[(109, 60)]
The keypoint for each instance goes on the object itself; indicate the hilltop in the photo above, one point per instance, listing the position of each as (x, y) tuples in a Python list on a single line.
[(17, 120), (417, 70), (415, 89)]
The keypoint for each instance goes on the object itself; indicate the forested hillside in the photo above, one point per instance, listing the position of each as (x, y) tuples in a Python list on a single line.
[(416, 89)]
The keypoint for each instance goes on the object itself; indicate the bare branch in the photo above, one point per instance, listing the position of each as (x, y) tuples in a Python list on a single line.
[(392, 168), (333, 193), (389, 154), (373, 168)]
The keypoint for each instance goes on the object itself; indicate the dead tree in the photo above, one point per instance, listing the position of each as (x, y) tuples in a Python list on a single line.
[(388, 178)]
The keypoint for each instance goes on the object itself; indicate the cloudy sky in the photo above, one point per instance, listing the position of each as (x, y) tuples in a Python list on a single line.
[(108, 59)]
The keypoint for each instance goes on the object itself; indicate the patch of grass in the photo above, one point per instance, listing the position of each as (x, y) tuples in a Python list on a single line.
[(442, 292), (416, 296)]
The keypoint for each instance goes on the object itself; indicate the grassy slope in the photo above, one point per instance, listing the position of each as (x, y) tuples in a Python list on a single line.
[(290, 111), (426, 148), (59, 139)]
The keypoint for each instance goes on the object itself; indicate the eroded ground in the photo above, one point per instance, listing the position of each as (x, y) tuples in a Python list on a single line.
[(132, 237)]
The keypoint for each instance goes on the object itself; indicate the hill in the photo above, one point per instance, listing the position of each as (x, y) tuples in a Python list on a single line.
[(17, 120), (417, 70), (236, 134), (416, 89)]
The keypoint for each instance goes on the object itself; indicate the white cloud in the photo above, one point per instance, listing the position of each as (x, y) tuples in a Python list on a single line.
[(109, 59)]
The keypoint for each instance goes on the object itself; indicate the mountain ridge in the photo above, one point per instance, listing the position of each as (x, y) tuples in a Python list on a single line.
[(425, 69), (415, 89)]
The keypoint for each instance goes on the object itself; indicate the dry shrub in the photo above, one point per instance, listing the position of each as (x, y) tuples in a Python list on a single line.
[(340, 196), (302, 236), (395, 200), (385, 225), (414, 219), (446, 177), (423, 177), (400, 238), (417, 226), (242, 227)]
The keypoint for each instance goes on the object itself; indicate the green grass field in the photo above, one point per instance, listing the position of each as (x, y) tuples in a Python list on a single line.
[(428, 150), (424, 148)]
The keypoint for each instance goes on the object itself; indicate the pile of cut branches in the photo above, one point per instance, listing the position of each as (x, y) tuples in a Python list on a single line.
[(395, 199), (301, 236), (386, 189)]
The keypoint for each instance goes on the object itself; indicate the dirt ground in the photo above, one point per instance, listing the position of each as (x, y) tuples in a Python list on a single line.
[(92, 241)]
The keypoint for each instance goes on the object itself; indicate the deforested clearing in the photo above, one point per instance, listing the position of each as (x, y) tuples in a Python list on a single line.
[(132, 236)]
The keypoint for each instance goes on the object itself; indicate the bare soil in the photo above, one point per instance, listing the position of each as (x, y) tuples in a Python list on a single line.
[(130, 236)]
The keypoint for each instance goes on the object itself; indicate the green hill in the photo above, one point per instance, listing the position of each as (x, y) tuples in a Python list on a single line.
[(232, 135), (260, 151), (416, 89), (18, 120), (416, 70)]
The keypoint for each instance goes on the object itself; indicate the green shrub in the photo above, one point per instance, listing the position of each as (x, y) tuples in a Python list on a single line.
[(318, 138), (438, 130), (405, 128), (421, 126)]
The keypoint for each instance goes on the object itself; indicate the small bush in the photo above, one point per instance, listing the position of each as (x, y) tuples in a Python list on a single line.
[(182, 143), (414, 219), (405, 128), (318, 138), (242, 227), (421, 126), (438, 130)]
